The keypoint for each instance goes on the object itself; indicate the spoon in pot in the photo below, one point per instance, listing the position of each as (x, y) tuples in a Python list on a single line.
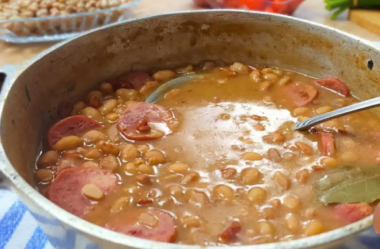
[(169, 85), (299, 126), (361, 106)]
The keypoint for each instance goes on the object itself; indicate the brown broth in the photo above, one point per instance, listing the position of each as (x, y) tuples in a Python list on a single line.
[(219, 121)]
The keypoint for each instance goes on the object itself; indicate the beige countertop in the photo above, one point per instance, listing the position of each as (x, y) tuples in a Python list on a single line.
[(312, 10)]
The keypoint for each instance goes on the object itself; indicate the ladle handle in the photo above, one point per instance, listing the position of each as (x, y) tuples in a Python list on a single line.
[(304, 125)]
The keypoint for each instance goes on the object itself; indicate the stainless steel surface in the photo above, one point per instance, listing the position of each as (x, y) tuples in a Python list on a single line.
[(361, 106), (171, 84), (29, 101)]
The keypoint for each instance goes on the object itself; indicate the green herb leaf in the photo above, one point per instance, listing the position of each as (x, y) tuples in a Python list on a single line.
[(351, 184)]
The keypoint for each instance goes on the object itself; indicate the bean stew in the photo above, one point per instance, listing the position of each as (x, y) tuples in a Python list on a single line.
[(214, 161)]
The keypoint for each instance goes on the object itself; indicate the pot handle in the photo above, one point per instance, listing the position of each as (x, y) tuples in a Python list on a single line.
[(7, 75)]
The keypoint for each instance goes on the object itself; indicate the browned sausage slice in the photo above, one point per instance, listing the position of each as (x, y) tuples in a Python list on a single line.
[(132, 80), (301, 93), (66, 189), (353, 212), (335, 85), (135, 122), (74, 125), (144, 223), (328, 144)]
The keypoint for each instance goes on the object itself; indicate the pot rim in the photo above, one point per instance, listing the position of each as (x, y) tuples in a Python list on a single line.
[(92, 230)]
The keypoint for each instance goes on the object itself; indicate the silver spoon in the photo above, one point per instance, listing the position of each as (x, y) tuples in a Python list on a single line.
[(169, 85), (361, 106), (299, 126)]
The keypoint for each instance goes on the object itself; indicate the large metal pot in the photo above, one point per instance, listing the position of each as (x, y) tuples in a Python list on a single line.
[(29, 99)]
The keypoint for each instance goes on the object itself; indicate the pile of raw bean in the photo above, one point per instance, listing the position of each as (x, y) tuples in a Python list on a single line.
[(263, 194)]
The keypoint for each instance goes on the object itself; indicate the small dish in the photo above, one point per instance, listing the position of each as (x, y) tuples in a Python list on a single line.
[(55, 28)]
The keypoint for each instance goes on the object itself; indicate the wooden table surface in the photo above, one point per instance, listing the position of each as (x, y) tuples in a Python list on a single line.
[(312, 10)]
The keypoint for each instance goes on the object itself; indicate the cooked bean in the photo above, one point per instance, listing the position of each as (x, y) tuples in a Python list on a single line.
[(190, 177), (94, 99), (92, 192), (223, 193), (129, 153), (293, 222), (112, 117), (186, 69), (148, 88), (292, 202), (284, 80), (323, 109), (276, 203), (130, 168), (44, 175), (49, 158), (119, 204), (329, 162), (301, 111), (305, 148), (93, 153), (275, 137), (197, 198), (265, 85), (282, 180), (78, 107), (92, 113), (225, 116), (267, 213), (178, 168), (228, 173), (274, 155), (190, 221), (145, 169), (163, 75), (250, 176), (302, 118), (108, 106), (106, 88), (266, 228), (271, 77), (143, 179), (252, 156), (128, 94), (255, 76), (68, 143), (94, 136), (239, 68), (314, 227), (302, 176), (90, 164), (257, 195), (310, 213), (267, 70), (155, 157), (149, 220), (108, 147), (259, 127), (172, 93), (109, 162), (175, 190)]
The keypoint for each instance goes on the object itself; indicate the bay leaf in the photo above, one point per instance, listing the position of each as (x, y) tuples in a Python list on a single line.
[(363, 190)]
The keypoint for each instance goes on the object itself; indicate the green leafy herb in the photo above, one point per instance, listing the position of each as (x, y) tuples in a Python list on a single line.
[(339, 6), (351, 184)]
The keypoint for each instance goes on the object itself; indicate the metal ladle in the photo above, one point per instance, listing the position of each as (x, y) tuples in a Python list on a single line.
[(299, 126)]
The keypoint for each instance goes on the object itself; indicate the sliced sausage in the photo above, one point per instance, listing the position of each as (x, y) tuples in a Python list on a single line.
[(74, 125), (335, 85), (135, 122), (328, 144), (230, 233), (132, 80), (66, 190), (376, 219), (301, 93), (145, 223), (353, 212)]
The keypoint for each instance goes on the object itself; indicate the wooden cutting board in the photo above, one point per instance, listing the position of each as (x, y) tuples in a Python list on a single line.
[(367, 19)]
